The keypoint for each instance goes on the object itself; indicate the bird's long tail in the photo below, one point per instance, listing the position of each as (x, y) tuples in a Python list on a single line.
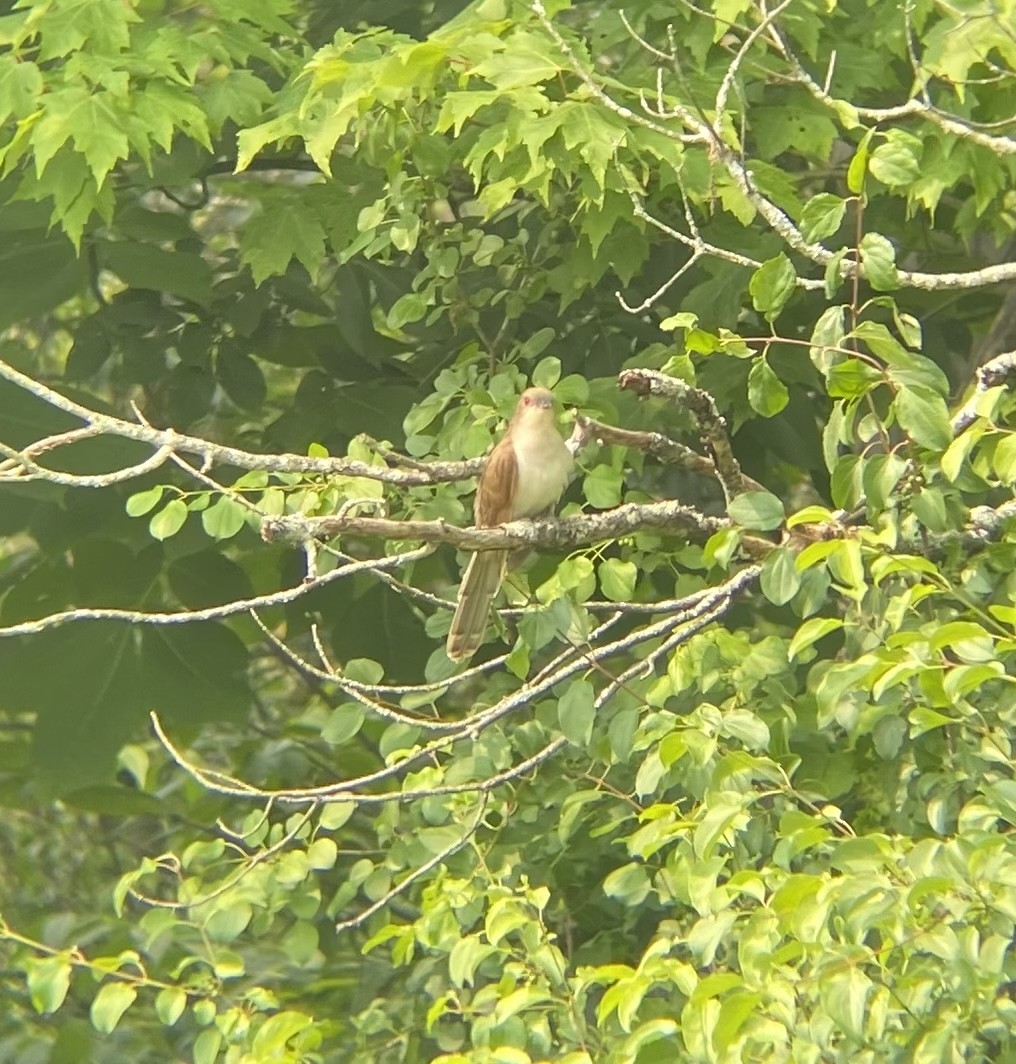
[(480, 584)]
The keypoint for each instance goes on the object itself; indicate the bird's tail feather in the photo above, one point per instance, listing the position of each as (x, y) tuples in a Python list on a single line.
[(480, 584)]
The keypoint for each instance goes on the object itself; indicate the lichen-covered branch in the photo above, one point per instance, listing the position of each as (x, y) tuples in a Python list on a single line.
[(552, 533), (169, 441), (994, 372), (713, 427)]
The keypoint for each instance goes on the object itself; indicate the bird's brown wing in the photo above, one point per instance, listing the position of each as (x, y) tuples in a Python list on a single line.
[(496, 491), (494, 497)]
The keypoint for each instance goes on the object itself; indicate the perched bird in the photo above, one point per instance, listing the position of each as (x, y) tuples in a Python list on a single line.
[(524, 476)]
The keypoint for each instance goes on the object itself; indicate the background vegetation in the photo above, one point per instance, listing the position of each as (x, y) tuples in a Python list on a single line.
[(733, 778)]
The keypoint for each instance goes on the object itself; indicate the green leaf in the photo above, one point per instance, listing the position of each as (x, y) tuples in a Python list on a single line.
[(1003, 459), (734, 1011), (963, 679), (49, 979), (617, 579), (822, 216), (628, 884), (207, 1046), (20, 84), (772, 285), (845, 483), (897, 161), (251, 141), (112, 1001), (725, 811), (528, 59), (284, 229), (828, 332), (406, 309), (844, 996), (809, 515), (908, 327), (767, 394), (504, 916), (882, 472), (682, 320), (343, 724), (833, 274), (169, 1004), (780, 577), (846, 563), (851, 379), (905, 367), (241, 378), (757, 510), (930, 509), (468, 953), (1002, 795), (141, 502), (517, 1000), (721, 547), (159, 269), (91, 121), (922, 720), (224, 518), (924, 417), (811, 632), (322, 854), (602, 486), (575, 712), (859, 165), (548, 372), (336, 813), (169, 520), (878, 257), (621, 733)]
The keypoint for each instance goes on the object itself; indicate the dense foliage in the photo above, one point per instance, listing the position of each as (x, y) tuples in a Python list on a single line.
[(732, 778)]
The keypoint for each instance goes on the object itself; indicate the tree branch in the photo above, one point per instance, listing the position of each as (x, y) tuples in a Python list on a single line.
[(994, 372), (552, 533), (171, 441), (714, 429)]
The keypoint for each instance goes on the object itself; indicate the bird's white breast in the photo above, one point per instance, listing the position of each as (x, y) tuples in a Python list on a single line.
[(544, 463)]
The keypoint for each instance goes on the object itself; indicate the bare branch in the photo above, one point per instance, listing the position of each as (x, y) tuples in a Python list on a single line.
[(659, 446), (362, 693), (704, 611), (211, 613), (218, 454), (422, 870), (21, 469), (251, 861), (914, 107), (714, 428), (994, 372), (731, 72), (654, 443)]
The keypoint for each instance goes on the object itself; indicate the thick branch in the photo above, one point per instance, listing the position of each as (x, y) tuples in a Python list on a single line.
[(714, 429), (170, 441), (995, 371), (654, 443), (555, 534)]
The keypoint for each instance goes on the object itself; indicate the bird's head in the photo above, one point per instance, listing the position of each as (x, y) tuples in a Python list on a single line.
[(535, 404)]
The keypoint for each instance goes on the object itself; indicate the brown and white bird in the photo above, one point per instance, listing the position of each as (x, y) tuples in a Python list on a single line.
[(524, 476)]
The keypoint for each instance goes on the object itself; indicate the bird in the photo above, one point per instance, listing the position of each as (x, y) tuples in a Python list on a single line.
[(524, 476)]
